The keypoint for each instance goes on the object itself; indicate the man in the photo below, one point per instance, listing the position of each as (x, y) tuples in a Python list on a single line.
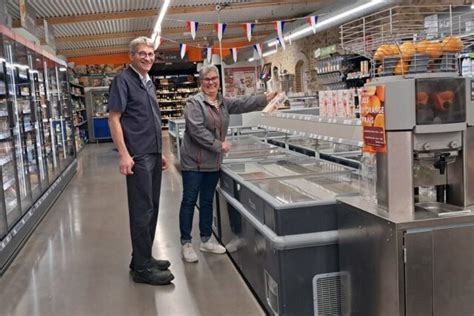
[(135, 124)]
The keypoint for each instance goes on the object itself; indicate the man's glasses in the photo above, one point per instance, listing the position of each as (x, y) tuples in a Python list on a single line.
[(207, 80), (145, 54)]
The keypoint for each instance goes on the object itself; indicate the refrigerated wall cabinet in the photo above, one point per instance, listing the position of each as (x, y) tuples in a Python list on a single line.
[(37, 144)]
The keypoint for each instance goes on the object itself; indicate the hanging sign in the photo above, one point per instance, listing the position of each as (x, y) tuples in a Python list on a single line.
[(27, 17), (325, 51)]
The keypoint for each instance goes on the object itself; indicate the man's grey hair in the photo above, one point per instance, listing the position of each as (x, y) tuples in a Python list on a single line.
[(207, 69), (142, 40)]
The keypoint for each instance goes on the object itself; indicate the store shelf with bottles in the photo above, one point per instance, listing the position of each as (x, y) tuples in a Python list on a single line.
[(467, 64), (300, 100), (172, 93), (342, 71), (78, 100)]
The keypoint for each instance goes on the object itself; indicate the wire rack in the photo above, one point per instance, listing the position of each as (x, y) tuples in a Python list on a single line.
[(411, 39)]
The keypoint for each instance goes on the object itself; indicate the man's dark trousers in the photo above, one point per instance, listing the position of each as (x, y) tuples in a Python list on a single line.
[(143, 189)]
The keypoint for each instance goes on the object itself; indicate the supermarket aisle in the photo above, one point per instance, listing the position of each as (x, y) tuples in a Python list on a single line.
[(76, 261)]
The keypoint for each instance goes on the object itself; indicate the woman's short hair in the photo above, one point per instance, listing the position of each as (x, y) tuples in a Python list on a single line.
[(142, 40), (207, 69)]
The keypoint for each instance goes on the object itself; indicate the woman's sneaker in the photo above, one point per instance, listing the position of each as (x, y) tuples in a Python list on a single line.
[(211, 246), (188, 253)]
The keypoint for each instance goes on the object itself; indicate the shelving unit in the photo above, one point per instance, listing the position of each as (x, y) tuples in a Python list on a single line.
[(78, 101), (337, 130), (342, 72), (172, 92)]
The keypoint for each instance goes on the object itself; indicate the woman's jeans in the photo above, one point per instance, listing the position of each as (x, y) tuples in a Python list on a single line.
[(202, 184)]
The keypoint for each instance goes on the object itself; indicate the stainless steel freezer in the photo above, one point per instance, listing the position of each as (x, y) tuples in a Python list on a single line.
[(280, 231), (292, 274), (400, 264)]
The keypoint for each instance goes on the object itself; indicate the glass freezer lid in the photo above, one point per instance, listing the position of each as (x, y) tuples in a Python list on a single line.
[(283, 168), (249, 139), (309, 142), (254, 153), (249, 147), (309, 188)]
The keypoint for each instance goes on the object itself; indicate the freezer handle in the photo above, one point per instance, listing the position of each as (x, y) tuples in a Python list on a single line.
[(323, 238)]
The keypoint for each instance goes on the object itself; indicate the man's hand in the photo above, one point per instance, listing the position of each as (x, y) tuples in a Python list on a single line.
[(271, 95), (226, 146), (126, 165), (164, 163)]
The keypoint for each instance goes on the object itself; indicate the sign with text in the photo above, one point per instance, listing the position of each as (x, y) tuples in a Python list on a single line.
[(373, 118), (49, 38), (240, 81), (169, 57), (27, 17), (325, 51)]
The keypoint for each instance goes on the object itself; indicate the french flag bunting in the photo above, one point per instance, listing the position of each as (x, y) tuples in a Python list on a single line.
[(192, 27), (234, 51), (312, 20), (282, 42), (158, 41), (249, 29), (279, 26), (183, 48), (220, 29), (258, 48), (209, 54)]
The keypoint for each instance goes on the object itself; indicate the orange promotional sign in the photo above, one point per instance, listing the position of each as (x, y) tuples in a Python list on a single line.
[(373, 118)]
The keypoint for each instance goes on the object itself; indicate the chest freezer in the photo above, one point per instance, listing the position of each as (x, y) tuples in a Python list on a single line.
[(295, 205), (235, 173)]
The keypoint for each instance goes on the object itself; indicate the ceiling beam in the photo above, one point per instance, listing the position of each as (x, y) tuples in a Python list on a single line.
[(91, 51), (171, 11), (124, 48), (98, 37)]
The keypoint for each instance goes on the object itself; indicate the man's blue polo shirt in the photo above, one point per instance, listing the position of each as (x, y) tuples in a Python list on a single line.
[(141, 118)]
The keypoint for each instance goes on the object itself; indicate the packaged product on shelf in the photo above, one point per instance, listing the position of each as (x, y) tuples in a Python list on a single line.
[(331, 105), (322, 103), (350, 103), (340, 103), (277, 102)]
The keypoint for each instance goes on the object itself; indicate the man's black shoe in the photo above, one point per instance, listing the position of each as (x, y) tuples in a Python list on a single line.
[(159, 264), (153, 276)]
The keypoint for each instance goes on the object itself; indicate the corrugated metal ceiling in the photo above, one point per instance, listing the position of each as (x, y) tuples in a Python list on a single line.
[(104, 27), (82, 8), (54, 8)]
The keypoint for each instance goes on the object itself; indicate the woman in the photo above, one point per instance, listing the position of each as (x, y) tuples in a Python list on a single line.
[(202, 150)]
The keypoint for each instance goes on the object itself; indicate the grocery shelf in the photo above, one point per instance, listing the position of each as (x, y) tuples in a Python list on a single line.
[(339, 130)]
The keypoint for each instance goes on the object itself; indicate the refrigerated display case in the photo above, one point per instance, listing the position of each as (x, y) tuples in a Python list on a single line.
[(42, 114), (37, 154)]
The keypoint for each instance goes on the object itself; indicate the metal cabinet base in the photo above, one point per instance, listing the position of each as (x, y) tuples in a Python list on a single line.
[(101, 129), (414, 268), (17, 237), (288, 279)]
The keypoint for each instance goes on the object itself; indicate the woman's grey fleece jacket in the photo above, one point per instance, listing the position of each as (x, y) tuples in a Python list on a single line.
[(206, 129)]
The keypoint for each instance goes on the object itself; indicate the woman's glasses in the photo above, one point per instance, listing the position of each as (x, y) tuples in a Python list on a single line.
[(207, 80)]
